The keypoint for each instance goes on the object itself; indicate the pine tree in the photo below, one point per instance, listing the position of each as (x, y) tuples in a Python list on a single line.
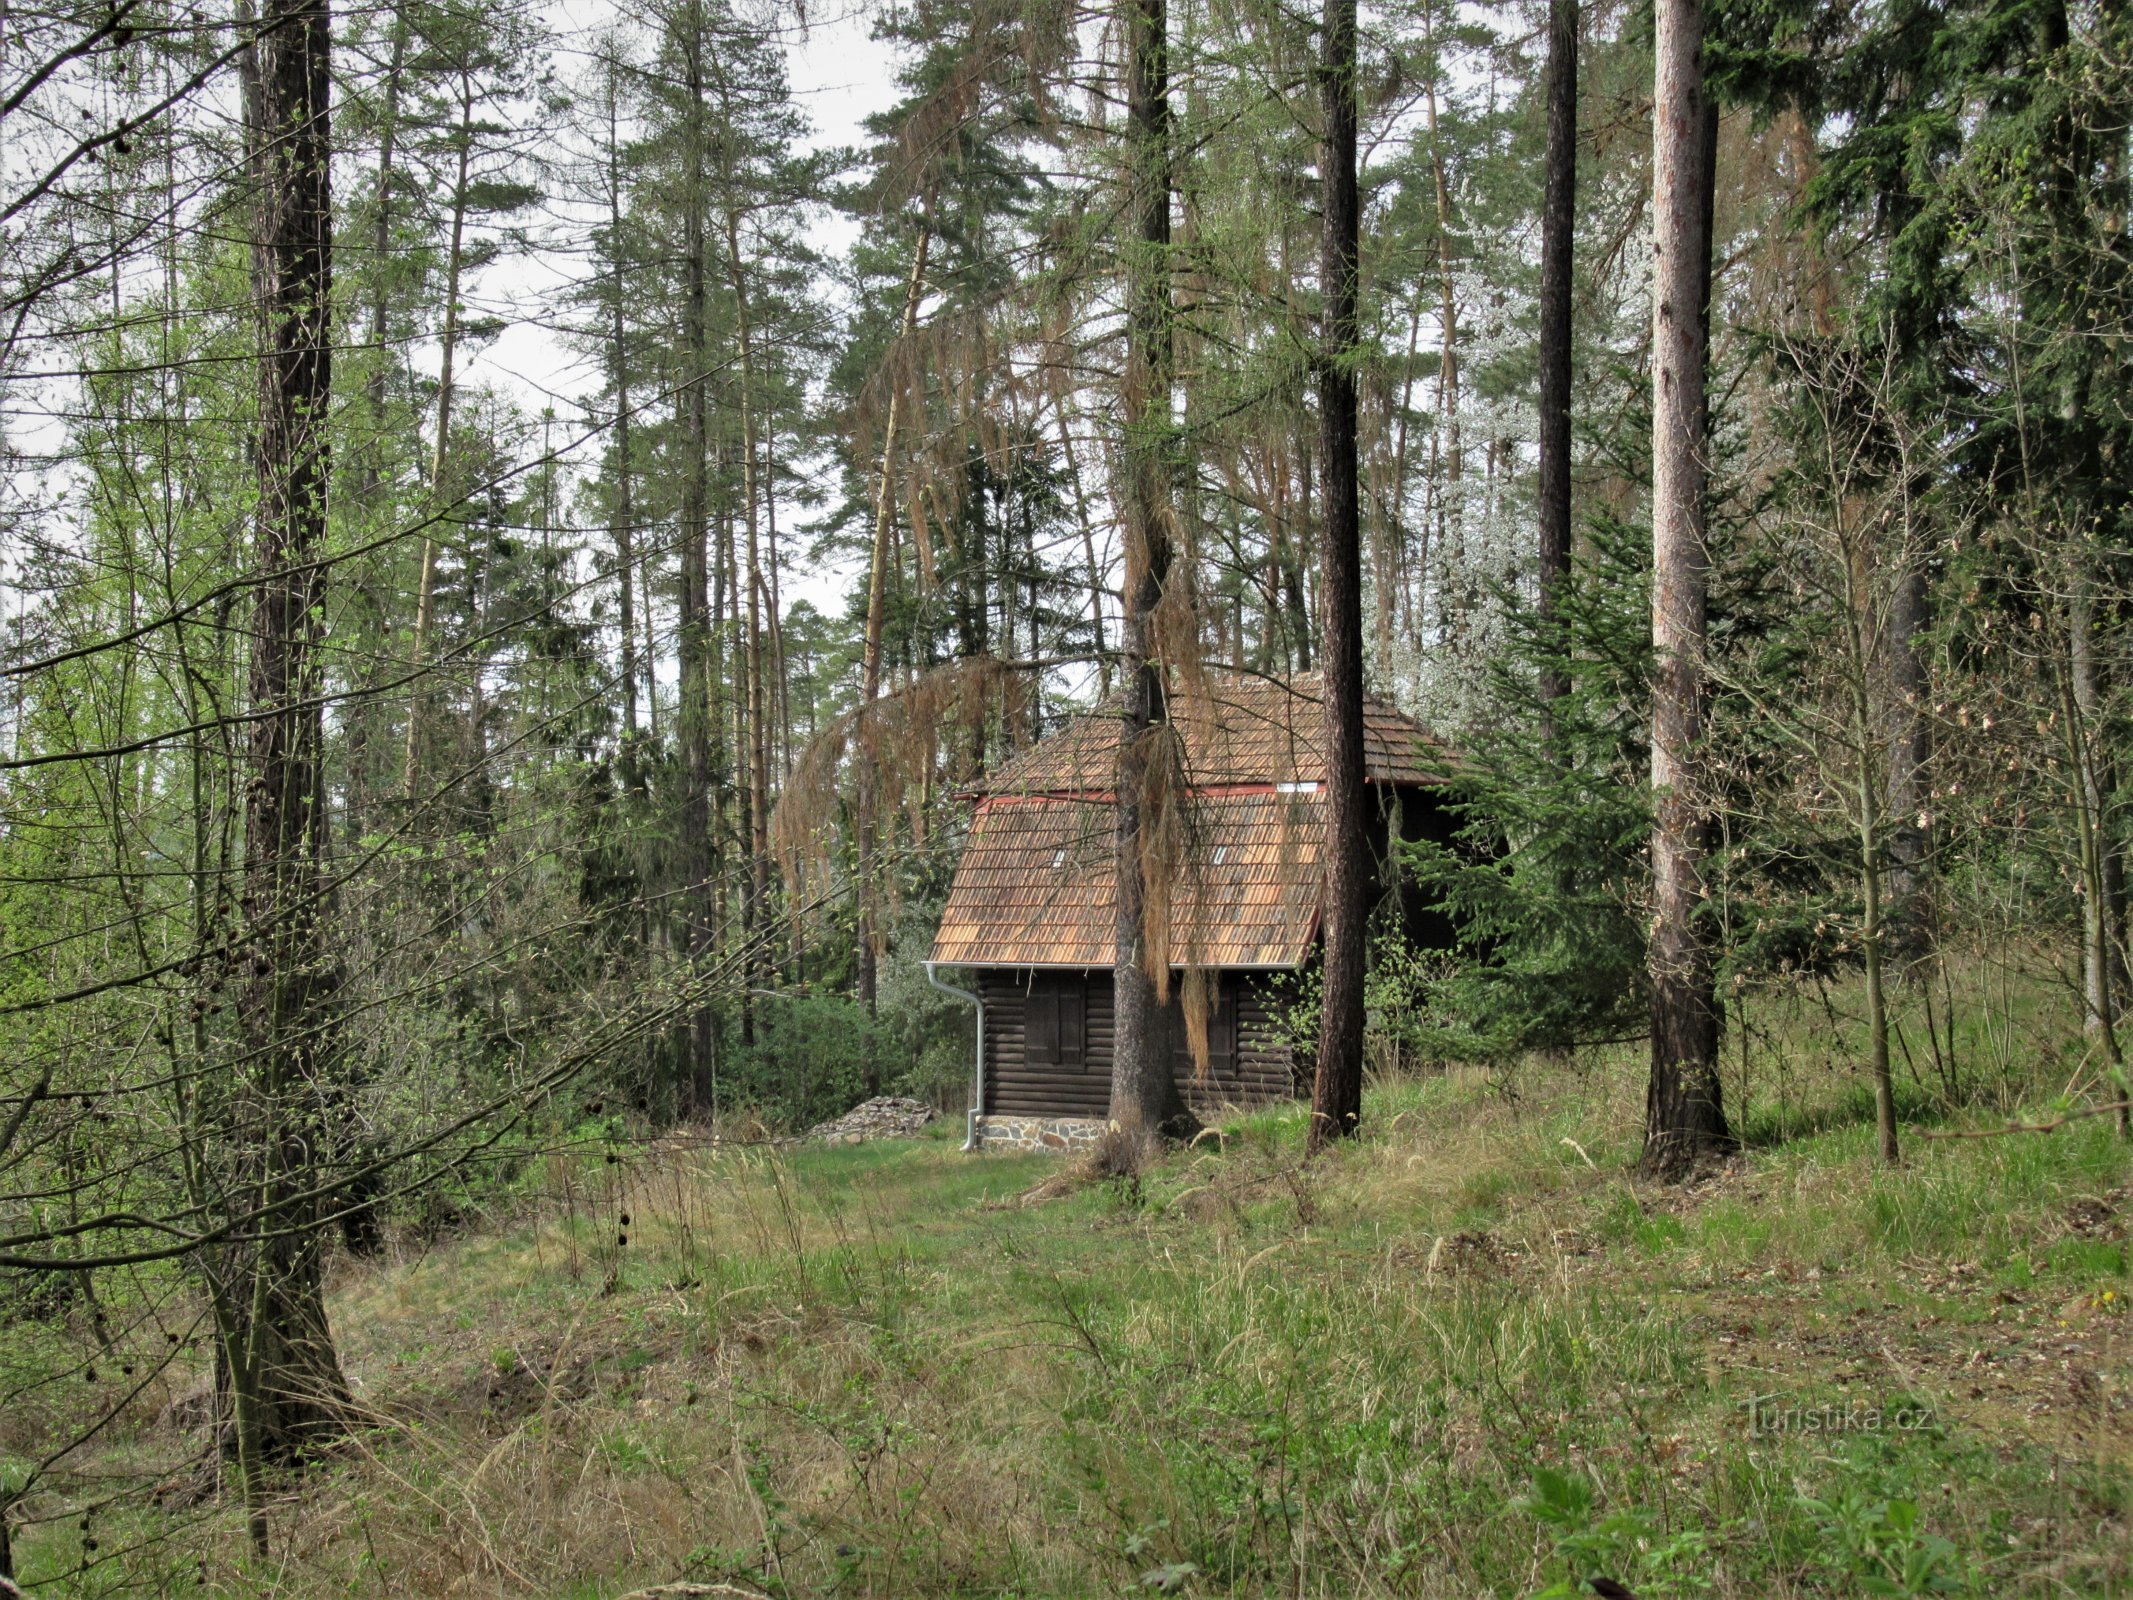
[(1337, 1097), (1558, 226), (1684, 1120), (1144, 1095), (278, 1365)]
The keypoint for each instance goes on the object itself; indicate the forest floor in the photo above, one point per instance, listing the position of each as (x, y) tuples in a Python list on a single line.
[(1469, 1355)]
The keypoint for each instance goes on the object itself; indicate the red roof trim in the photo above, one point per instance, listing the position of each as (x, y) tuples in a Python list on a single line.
[(1103, 797)]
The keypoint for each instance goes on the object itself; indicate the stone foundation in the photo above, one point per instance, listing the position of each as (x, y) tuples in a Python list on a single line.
[(1055, 1134)]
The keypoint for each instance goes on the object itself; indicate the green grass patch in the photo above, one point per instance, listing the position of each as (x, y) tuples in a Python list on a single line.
[(1470, 1355)]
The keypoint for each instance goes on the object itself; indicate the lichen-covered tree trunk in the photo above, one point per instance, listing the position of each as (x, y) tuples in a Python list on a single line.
[(1684, 1119)]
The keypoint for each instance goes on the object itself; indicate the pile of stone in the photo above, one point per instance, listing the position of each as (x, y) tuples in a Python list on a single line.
[(891, 1116)]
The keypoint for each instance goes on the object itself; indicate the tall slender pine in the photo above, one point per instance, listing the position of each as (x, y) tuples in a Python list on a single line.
[(1144, 1093), (1684, 1119), (1337, 1096)]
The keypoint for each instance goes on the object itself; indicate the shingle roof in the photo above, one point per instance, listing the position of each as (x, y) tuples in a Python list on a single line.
[(1038, 881), (1250, 730)]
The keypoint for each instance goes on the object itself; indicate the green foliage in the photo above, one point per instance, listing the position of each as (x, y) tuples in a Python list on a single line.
[(1626, 1546), (520, 996), (809, 1061), (930, 1038), (1543, 876), (1857, 1537), (1878, 1545)]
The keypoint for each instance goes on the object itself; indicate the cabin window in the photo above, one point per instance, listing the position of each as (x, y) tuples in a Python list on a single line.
[(1221, 1035), (1058, 1009)]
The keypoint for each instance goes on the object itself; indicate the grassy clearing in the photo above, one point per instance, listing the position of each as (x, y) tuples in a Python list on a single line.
[(1468, 1356)]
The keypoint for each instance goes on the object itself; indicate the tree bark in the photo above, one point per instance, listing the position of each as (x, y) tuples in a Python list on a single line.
[(1144, 1094), (1864, 647), (619, 375), (1684, 1119), (1911, 921), (278, 1369), (1447, 456), (1088, 549), (755, 751), (1297, 544), (381, 239), (1558, 224), (870, 661), (426, 582), (1337, 1095), (648, 657), (779, 672), (363, 715), (693, 715), (2093, 787), (1872, 939)]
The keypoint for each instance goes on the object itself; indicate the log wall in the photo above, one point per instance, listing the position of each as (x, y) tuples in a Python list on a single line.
[(1261, 1069)]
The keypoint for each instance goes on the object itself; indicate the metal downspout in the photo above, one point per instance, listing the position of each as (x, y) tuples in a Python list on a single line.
[(977, 1098)]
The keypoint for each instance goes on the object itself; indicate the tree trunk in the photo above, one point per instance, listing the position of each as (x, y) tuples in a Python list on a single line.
[(754, 752), (648, 657), (1337, 1096), (619, 375), (2085, 741), (1296, 548), (1872, 938), (381, 239), (1558, 224), (1446, 454), (1911, 921), (279, 1370), (1684, 1119), (725, 736), (693, 716), (870, 662), (426, 583), (1088, 550), (773, 605), (1857, 555), (1144, 1094), (363, 714)]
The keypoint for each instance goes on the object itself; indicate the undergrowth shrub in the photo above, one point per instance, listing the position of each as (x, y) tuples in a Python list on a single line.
[(809, 1061)]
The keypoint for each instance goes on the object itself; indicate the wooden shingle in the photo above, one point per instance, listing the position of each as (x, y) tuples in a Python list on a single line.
[(1246, 731), (1038, 882)]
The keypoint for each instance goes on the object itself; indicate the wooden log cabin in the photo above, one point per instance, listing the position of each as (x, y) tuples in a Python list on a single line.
[(1030, 920)]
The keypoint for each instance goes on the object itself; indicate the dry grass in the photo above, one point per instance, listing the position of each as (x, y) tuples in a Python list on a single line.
[(1121, 1154)]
